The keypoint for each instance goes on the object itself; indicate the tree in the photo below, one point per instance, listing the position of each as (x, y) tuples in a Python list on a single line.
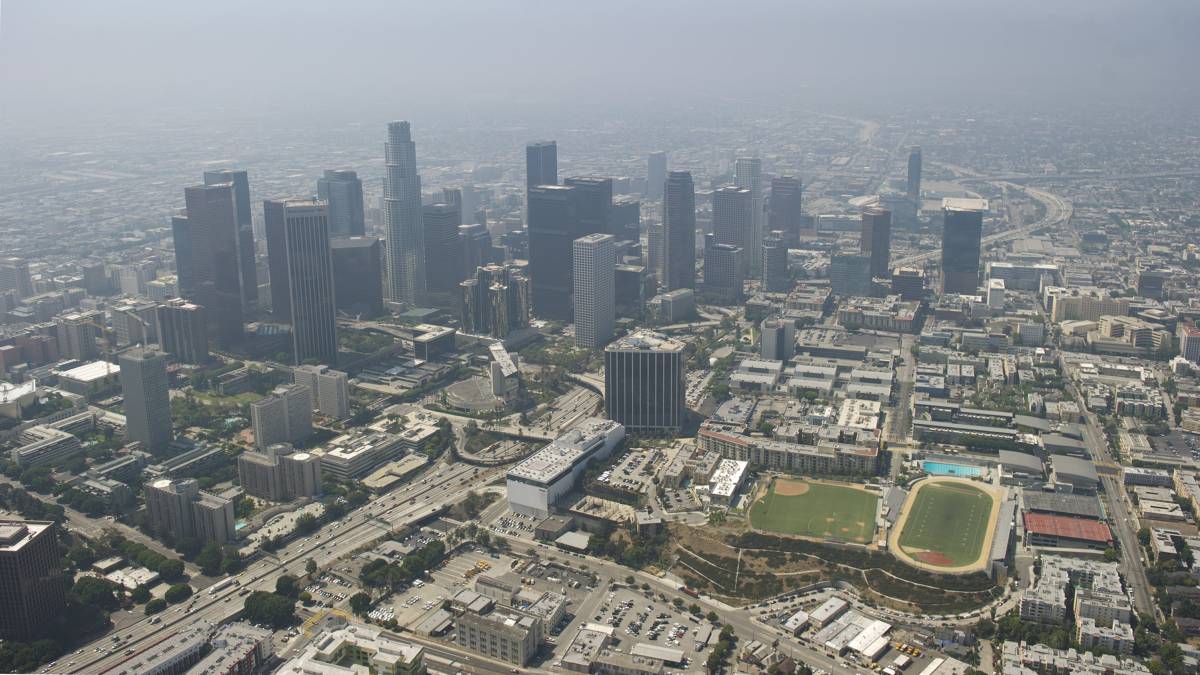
[(694, 608), (209, 559), (269, 608), (286, 585), (96, 592), (310, 566), (1110, 555), (140, 595), (360, 603), (306, 523), (171, 569), (155, 606), (1143, 536), (712, 617), (178, 593), (306, 598)]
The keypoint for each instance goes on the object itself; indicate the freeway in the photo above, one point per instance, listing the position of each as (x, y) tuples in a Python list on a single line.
[(424, 496)]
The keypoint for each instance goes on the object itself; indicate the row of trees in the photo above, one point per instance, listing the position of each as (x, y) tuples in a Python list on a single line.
[(381, 574)]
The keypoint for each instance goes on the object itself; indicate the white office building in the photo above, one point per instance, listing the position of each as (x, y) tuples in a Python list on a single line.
[(542, 479)]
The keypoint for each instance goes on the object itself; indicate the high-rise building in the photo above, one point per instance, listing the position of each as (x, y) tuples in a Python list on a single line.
[(134, 322), (914, 175), (177, 509), (733, 221), (181, 331), (301, 265), (644, 379), (14, 276), (595, 289), (850, 274), (656, 174), (679, 232), (147, 398), (247, 269), (476, 244), (496, 301), (77, 333), (1189, 341), (593, 204), (724, 268), (747, 173), (552, 228), (777, 339), (32, 587), (443, 253), (908, 283), (634, 286), (655, 251), (541, 164), (330, 389), (342, 189), (775, 276), (787, 213), (357, 275), (962, 231), (279, 473), (626, 222), (877, 239), (207, 259), (402, 216), (285, 416)]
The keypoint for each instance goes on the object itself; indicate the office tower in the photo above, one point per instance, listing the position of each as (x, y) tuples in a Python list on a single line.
[(279, 473), (496, 300), (285, 416), (342, 189), (552, 227), (301, 265), (633, 285), (77, 333), (777, 339), (775, 276), (877, 239), (32, 588), (443, 253), (1152, 282), (206, 258), (908, 283), (626, 223), (595, 290), (177, 509), (747, 173), (733, 221), (14, 276), (402, 216), (134, 322), (962, 230), (147, 398), (181, 331), (655, 254), (593, 204), (850, 274), (656, 174), (679, 232), (541, 164), (724, 266), (787, 214), (95, 279), (914, 175), (357, 275), (247, 269), (330, 389), (644, 375), (476, 244)]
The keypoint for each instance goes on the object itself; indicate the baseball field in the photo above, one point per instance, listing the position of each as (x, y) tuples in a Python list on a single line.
[(820, 510)]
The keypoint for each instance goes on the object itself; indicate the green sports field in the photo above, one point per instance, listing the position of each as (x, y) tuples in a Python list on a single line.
[(947, 524), (819, 510)]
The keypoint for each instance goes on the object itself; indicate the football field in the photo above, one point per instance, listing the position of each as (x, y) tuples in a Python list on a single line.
[(947, 524), (818, 510)]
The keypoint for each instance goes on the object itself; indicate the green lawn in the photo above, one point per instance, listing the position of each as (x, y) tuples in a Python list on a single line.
[(947, 525), (824, 511)]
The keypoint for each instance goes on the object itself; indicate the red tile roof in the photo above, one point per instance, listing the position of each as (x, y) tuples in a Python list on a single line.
[(1068, 528)]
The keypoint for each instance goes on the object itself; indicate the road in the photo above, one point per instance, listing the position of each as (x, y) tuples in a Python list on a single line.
[(427, 494)]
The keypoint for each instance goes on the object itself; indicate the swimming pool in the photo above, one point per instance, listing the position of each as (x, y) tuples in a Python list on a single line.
[(947, 469)]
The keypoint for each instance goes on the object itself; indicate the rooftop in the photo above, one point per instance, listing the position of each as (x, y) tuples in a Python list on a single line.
[(963, 204), (646, 340), (1070, 528)]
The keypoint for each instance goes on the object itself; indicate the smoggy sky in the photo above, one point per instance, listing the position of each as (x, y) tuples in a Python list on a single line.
[(63, 60)]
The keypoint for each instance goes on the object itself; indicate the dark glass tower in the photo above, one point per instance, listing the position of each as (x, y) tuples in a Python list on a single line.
[(247, 269), (358, 275), (962, 229), (443, 253), (656, 174), (679, 231), (301, 265), (733, 221), (914, 175), (402, 215), (785, 213), (206, 253), (541, 164), (593, 204), (343, 190), (552, 227), (877, 239)]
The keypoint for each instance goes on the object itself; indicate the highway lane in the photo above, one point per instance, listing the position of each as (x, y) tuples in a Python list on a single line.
[(366, 525)]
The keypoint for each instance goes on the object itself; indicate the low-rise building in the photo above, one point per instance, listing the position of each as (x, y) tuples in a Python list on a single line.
[(355, 649)]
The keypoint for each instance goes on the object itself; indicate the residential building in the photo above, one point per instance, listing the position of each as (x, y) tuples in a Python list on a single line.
[(279, 473), (330, 389), (178, 509), (285, 416)]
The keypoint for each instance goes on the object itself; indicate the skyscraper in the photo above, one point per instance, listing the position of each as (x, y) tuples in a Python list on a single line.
[(443, 253), (747, 173), (495, 300), (147, 398), (476, 244), (787, 213), (284, 416), (330, 389), (247, 269), (402, 216), (777, 339), (733, 221), (207, 256), (357, 275), (914, 175), (877, 239), (850, 274), (595, 289), (655, 253), (656, 174), (962, 230), (541, 164), (181, 331), (775, 277), (644, 376), (724, 266), (679, 231), (626, 221), (14, 276), (33, 592), (343, 190), (552, 227), (593, 204), (301, 266)]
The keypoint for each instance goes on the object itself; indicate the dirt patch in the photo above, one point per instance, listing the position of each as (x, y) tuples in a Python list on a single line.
[(790, 488), (934, 558)]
